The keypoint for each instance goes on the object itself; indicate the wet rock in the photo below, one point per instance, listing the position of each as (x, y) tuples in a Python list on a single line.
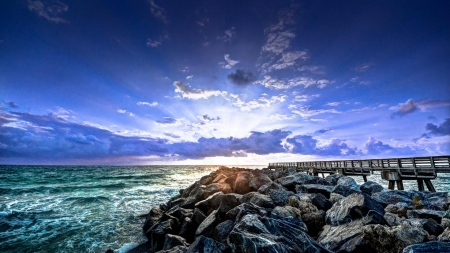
[(304, 205), (229, 200), (355, 206), (205, 180), (238, 212), (333, 178), (258, 199), (177, 212), (371, 187), (259, 180), (289, 182), (223, 230), (208, 226), (392, 219), (344, 238), (280, 197), (241, 184), (432, 227), (198, 216), (220, 178), (173, 241), (156, 234), (445, 222), (177, 249), (152, 218), (206, 245), (425, 214), (428, 247), (346, 186), (286, 211), (315, 188), (260, 234), (188, 229), (374, 217), (445, 236), (395, 196), (321, 202), (334, 197), (394, 239), (314, 221), (216, 187)]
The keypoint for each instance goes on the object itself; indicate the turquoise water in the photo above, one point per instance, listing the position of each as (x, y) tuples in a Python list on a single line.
[(83, 209)]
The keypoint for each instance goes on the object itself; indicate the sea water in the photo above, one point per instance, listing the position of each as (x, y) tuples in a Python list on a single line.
[(94, 208)]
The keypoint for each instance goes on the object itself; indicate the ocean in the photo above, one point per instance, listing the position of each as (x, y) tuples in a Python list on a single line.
[(93, 208)]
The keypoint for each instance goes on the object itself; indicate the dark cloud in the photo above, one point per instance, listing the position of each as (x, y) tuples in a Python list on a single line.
[(241, 77), (437, 130), (376, 147), (12, 104), (172, 135), (208, 118), (322, 131), (307, 145), (167, 120), (411, 106)]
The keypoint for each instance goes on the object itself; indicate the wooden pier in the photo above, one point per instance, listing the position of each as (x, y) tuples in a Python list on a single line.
[(394, 170)]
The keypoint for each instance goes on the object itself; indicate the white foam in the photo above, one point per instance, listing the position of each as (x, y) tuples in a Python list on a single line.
[(126, 247)]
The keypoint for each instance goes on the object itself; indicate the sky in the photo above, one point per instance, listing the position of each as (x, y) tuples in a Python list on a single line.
[(222, 82)]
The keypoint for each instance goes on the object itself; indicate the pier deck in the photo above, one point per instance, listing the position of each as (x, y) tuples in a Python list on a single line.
[(395, 170)]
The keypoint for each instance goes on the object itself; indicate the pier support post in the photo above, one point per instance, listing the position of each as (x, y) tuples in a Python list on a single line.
[(429, 185), (365, 178), (400, 185), (420, 185), (391, 184)]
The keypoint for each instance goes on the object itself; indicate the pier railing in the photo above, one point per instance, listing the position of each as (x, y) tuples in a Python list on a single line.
[(422, 169)]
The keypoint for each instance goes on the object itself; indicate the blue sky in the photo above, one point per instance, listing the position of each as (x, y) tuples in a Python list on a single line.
[(222, 82)]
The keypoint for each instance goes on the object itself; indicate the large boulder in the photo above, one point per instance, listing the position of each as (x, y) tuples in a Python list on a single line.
[(264, 189), (261, 234), (156, 234), (241, 184), (206, 245), (208, 226), (445, 236), (223, 230), (241, 210), (216, 187), (333, 178), (346, 186), (258, 180), (345, 238), (353, 207), (188, 229), (314, 221), (289, 182), (315, 188), (198, 216), (173, 241), (371, 187), (428, 247), (393, 197), (280, 197), (286, 211), (258, 199), (321, 202), (425, 214), (303, 204), (152, 218), (393, 239), (210, 204), (432, 227)]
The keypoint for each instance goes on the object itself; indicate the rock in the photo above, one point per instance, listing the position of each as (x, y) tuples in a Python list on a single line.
[(425, 214), (156, 234), (206, 245), (304, 205), (346, 186), (152, 217), (392, 219), (220, 178), (289, 182), (394, 239), (280, 197), (177, 212), (355, 206), (173, 241), (315, 188), (223, 230), (205, 180), (374, 217), (344, 238), (216, 187), (238, 212), (208, 226), (264, 189), (198, 216), (432, 227), (177, 249), (428, 247), (188, 229), (445, 222), (258, 199), (262, 234), (314, 221), (333, 178), (396, 196), (334, 197), (259, 180), (321, 202), (445, 236), (213, 202), (286, 211), (109, 251), (370, 187), (241, 184)]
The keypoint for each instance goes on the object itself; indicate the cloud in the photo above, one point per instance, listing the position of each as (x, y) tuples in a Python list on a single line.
[(153, 104), (320, 70), (277, 116), (307, 145), (208, 118), (306, 111), (228, 36), (304, 97), (288, 59), (241, 77), (374, 146), (12, 104), (278, 42), (437, 130), (324, 130), (229, 63), (411, 106), (362, 68), (153, 43), (50, 12), (262, 102), (278, 84), (172, 135), (158, 12), (168, 121), (121, 111), (189, 77), (194, 94)]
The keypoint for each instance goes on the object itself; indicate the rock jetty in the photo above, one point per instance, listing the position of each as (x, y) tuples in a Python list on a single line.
[(243, 210)]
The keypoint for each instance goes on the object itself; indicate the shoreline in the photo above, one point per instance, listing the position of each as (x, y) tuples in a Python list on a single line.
[(247, 210)]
